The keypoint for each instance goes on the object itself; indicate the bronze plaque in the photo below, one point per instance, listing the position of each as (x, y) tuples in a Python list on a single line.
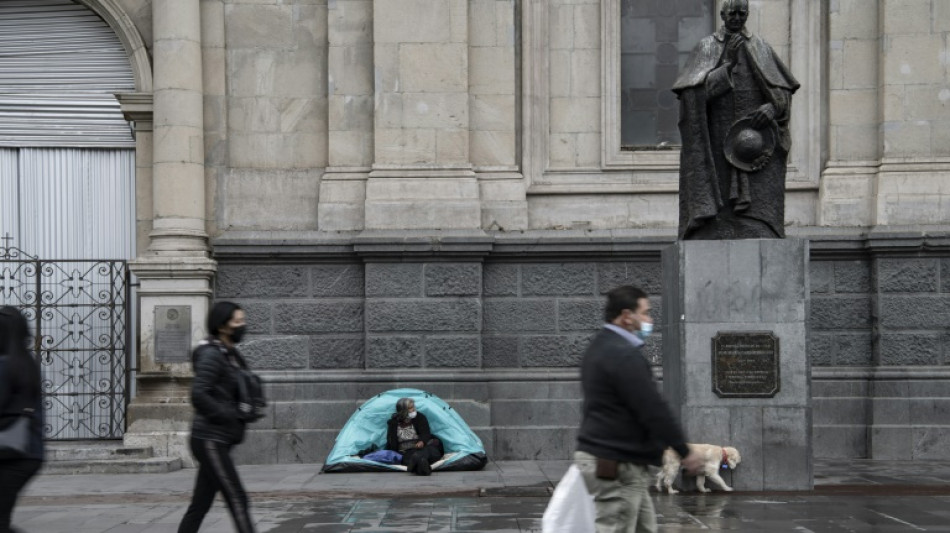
[(172, 333), (745, 364)]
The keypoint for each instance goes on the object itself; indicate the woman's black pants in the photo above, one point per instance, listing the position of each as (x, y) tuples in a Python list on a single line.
[(14, 475), (428, 452), (216, 472)]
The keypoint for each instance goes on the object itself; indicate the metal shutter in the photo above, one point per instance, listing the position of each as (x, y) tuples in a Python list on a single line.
[(60, 65)]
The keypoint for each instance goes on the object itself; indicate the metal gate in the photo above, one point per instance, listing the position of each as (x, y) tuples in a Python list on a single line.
[(79, 315)]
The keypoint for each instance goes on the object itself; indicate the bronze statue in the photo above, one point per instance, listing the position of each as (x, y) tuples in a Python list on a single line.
[(735, 99)]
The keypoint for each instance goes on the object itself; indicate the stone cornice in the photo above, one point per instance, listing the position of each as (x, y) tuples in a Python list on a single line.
[(163, 267), (881, 373), (423, 375), (629, 244), (138, 108), (429, 375)]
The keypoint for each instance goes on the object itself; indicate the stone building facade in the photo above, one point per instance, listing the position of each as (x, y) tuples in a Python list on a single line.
[(437, 193)]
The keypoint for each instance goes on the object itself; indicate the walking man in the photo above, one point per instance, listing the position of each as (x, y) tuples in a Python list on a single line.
[(626, 423)]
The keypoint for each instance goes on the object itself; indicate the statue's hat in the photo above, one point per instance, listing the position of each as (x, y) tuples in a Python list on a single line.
[(748, 148)]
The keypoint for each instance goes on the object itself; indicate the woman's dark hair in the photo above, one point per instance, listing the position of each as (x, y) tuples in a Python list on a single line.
[(14, 334), (623, 297), (221, 313)]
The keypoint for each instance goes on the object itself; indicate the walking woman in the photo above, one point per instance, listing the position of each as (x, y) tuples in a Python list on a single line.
[(219, 423), (20, 395)]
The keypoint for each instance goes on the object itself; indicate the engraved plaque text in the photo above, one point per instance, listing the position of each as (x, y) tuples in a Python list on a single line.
[(172, 333), (745, 364)]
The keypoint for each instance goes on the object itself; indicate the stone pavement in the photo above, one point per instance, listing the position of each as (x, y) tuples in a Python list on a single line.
[(506, 496)]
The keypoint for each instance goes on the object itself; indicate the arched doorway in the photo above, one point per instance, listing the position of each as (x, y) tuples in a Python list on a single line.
[(67, 206)]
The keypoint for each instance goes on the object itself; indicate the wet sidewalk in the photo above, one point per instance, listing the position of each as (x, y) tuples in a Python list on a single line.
[(507, 496)]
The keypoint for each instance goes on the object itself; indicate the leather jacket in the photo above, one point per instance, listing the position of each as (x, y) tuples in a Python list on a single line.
[(215, 393)]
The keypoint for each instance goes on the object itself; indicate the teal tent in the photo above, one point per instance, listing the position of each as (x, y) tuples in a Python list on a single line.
[(367, 428)]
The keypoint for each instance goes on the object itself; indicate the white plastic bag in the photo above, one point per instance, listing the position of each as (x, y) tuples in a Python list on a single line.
[(571, 509)]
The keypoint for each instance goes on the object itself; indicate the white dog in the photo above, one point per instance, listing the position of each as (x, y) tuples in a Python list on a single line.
[(713, 458)]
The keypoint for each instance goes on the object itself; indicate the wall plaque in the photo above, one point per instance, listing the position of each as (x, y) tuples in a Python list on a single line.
[(172, 333), (745, 364)]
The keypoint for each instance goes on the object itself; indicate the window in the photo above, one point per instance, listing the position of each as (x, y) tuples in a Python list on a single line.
[(656, 37)]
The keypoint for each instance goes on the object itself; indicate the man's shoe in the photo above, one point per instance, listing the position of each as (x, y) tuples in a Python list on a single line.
[(413, 464)]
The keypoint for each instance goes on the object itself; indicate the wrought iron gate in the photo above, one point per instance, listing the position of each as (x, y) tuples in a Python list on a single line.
[(79, 313)]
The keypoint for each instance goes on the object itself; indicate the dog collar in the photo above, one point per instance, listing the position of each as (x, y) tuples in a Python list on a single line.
[(725, 459)]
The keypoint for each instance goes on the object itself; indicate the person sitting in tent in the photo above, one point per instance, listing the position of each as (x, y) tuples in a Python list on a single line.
[(361, 445), (408, 433)]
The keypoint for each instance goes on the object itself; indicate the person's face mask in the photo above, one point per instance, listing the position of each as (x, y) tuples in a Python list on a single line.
[(412, 414), (646, 328), (238, 333)]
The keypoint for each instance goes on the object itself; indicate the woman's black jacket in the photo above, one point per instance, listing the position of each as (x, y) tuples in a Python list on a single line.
[(215, 393), (14, 398), (420, 422)]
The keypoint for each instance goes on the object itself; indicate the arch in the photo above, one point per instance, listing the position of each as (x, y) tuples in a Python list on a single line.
[(130, 38)]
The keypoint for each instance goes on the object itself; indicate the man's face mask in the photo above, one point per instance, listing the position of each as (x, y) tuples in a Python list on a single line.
[(646, 328)]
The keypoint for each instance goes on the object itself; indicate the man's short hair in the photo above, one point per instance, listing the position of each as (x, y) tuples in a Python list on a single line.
[(623, 297), (731, 3)]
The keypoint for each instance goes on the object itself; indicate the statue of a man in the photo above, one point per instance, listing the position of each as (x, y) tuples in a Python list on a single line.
[(735, 99)]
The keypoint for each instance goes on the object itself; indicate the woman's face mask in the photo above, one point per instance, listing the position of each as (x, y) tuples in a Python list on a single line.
[(412, 414), (238, 333)]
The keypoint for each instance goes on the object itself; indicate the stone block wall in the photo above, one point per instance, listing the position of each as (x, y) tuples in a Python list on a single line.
[(914, 306), (500, 335), (840, 321), (299, 316), (840, 415), (911, 418), (423, 315), (879, 346), (543, 314)]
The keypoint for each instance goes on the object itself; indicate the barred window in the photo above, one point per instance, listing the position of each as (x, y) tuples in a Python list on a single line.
[(656, 39)]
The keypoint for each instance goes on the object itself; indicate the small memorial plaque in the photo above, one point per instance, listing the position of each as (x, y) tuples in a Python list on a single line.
[(745, 364), (172, 333)]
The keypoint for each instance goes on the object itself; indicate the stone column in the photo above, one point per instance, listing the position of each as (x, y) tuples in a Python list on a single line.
[(137, 108), (175, 272), (854, 152), (178, 157), (912, 185), (350, 100), (422, 175), (494, 114)]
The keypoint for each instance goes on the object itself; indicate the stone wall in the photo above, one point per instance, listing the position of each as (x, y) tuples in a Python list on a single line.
[(300, 316), (508, 112), (323, 121), (880, 348), (499, 335)]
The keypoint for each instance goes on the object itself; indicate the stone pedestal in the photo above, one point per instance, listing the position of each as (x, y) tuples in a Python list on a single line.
[(747, 290), (160, 414)]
